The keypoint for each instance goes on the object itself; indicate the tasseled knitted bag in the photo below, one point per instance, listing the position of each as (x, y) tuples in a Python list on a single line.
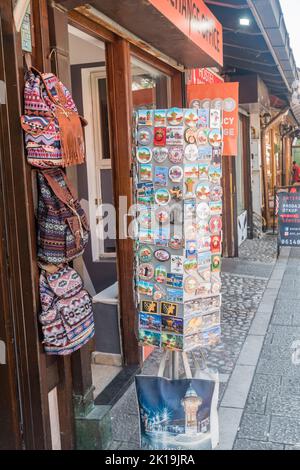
[(52, 125)]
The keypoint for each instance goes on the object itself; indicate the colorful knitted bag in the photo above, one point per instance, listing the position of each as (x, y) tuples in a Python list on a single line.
[(67, 315), (53, 128), (63, 229)]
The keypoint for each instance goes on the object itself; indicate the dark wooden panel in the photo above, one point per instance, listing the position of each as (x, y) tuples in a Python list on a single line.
[(230, 243), (247, 172), (120, 107), (94, 29)]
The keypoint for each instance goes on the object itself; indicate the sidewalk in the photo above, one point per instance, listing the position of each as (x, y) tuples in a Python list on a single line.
[(250, 358)]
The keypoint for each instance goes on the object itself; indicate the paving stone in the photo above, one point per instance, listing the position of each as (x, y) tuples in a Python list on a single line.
[(260, 323), (283, 405), (248, 444), (296, 447), (229, 419), (266, 383), (277, 367), (251, 350), (254, 426), (291, 385), (256, 402), (238, 386), (285, 430), (123, 426)]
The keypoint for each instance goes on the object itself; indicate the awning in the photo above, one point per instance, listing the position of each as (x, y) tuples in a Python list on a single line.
[(186, 31)]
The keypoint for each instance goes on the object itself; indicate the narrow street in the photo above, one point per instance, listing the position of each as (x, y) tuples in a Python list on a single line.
[(259, 402)]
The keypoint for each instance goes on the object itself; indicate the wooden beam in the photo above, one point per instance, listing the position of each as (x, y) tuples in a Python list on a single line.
[(230, 242)]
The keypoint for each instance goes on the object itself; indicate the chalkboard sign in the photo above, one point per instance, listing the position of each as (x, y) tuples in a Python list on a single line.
[(288, 218)]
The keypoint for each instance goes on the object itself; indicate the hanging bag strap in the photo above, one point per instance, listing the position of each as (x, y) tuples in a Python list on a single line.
[(67, 196), (162, 365)]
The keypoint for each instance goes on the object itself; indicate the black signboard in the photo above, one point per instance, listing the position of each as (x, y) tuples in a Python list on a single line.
[(288, 218)]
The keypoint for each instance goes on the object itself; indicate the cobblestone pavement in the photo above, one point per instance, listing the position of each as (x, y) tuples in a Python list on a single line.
[(271, 418), (242, 292)]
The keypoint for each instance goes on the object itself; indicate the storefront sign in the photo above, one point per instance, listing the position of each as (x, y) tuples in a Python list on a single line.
[(226, 97), (197, 22), (289, 218), (202, 76)]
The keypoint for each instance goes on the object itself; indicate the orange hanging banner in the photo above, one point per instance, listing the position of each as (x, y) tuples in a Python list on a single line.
[(225, 95)]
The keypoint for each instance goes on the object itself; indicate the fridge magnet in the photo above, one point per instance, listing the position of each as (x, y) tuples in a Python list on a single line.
[(215, 263), (175, 242), (174, 280), (160, 274), (215, 173), (145, 136), (192, 324), (160, 154), (159, 292), (162, 197), (145, 200), (203, 227), (175, 155), (175, 174), (205, 305), (215, 138), (159, 117), (205, 153), (189, 208), (172, 342), (191, 170), (149, 322), (191, 230), (203, 210), (216, 287), (172, 325), (162, 236), (162, 255), (159, 136), (174, 135), (162, 216), (202, 137), (146, 236), (215, 118), (191, 118), (203, 170), (190, 248), (203, 244), (204, 274), (216, 156), (145, 117), (215, 207), (176, 193), (174, 295), (174, 116), (204, 260), (216, 192), (191, 152), (168, 308), (190, 265), (190, 285), (177, 264), (202, 191), (145, 254), (145, 288), (215, 224), (145, 218), (149, 338), (145, 189), (203, 118), (190, 136), (189, 187), (149, 306), (161, 176), (146, 172), (143, 155), (145, 271), (216, 244), (203, 289)]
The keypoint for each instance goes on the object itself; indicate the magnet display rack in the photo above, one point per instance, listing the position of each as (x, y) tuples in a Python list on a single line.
[(178, 227)]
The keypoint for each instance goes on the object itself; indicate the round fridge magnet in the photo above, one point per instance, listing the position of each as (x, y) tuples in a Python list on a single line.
[(144, 155), (216, 193), (202, 191), (202, 138), (191, 152), (215, 138), (191, 118), (203, 210), (190, 285), (190, 136), (145, 136), (176, 154), (174, 116), (162, 216), (146, 271), (190, 265), (215, 224), (162, 255), (160, 154), (145, 254), (162, 197), (175, 242), (175, 174)]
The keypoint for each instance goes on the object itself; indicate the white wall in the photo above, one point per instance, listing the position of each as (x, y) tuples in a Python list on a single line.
[(255, 149)]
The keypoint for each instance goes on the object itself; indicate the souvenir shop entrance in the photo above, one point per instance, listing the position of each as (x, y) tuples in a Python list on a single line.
[(110, 72)]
